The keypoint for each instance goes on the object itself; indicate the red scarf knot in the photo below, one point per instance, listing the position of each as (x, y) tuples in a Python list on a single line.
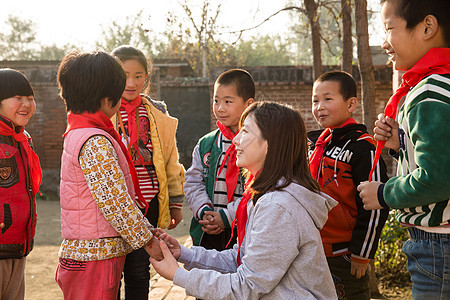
[(315, 160), (31, 160)]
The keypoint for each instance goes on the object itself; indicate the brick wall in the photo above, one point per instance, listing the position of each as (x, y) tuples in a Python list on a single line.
[(49, 120)]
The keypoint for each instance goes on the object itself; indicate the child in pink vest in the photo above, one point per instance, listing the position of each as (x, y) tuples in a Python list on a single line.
[(100, 220)]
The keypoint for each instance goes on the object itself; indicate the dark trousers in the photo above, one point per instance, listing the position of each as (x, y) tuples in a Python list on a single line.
[(219, 241), (136, 272), (346, 284)]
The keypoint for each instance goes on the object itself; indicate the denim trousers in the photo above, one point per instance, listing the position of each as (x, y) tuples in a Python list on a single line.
[(136, 272), (428, 264)]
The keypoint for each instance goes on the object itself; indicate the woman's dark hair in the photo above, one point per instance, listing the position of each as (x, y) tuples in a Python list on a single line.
[(126, 52), (245, 86), (415, 11), (85, 79), (287, 154), (13, 83)]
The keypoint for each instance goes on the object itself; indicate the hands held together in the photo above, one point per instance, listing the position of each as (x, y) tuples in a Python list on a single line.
[(212, 222), (164, 250)]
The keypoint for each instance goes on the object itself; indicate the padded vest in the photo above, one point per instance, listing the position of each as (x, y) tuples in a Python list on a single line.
[(80, 216)]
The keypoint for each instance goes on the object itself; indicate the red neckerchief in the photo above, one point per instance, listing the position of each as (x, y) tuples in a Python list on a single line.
[(100, 120), (435, 61), (130, 108), (321, 143), (34, 166), (241, 216), (232, 175)]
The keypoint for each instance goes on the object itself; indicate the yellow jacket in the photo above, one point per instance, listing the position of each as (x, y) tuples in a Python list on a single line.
[(169, 171)]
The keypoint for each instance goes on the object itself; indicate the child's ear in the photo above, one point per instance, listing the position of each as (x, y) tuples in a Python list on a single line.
[(352, 104), (250, 101), (431, 26)]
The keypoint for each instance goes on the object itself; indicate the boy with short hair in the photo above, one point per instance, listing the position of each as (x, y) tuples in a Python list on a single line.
[(213, 182), (341, 159), (418, 39)]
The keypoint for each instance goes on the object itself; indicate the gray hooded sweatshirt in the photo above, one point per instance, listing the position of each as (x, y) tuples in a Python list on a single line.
[(282, 255)]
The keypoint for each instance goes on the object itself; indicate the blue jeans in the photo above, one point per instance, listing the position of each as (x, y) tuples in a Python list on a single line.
[(429, 264)]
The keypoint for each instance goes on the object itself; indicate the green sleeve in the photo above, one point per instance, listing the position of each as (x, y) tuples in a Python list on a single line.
[(430, 134)]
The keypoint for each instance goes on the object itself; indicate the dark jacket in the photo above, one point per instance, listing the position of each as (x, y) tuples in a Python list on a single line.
[(347, 160)]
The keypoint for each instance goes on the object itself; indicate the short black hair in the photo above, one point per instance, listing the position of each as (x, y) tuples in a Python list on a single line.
[(245, 86), (415, 11), (14, 83), (347, 84), (84, 79)]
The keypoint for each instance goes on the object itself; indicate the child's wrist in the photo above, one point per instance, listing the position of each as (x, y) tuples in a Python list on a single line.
[(359, 259), (380, 196), (202, 211)]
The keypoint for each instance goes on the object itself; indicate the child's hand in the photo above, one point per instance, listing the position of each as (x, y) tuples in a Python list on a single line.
[(215, 218), (386, 129), (208, 224), (172, 244), (168, 266), (368, 191), (176, 215), (357, 269), (153, 249)]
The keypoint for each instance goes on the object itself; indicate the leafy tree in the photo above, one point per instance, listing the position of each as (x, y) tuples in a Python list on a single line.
[(19, 41), (262, 51), (54, 52), (129, 31)]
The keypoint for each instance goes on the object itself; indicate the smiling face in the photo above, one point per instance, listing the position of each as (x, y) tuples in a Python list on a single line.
[(329, 107), (405, 46), (251, 148), (18, 109), (136, 76), (228, 105)]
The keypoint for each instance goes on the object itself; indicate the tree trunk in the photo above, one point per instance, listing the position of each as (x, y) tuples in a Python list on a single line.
[(347, 43), (365, 64), (311, 8)]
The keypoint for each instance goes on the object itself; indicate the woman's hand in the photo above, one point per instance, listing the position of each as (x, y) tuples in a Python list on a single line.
[(168, 266), (171, 243)]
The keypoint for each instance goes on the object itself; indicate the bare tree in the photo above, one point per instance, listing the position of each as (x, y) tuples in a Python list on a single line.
[(365, 65), (205, 30), (347, 43), (312, 12)]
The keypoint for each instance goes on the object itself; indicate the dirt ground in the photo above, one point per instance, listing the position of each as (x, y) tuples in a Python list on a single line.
[(43, 260)]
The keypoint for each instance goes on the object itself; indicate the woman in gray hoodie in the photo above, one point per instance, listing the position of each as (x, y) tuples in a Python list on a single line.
[(279, 253)]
